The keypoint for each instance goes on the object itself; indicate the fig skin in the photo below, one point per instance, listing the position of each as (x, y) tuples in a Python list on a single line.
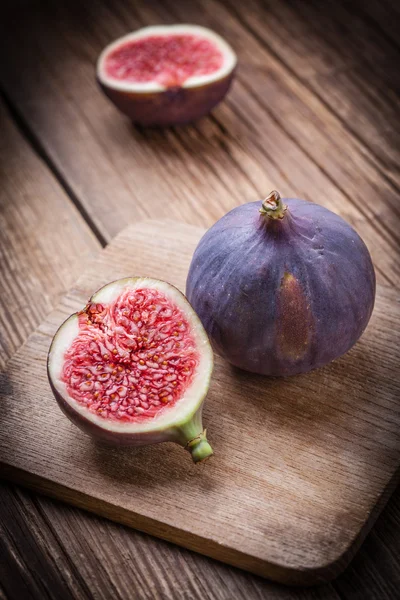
[(282, 292), (173, 106)]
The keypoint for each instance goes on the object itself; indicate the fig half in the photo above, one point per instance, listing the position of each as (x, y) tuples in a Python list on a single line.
[(166, 74), (134, 366)]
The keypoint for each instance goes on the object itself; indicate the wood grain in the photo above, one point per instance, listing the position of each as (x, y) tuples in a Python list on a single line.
[(327, 45), (20, 579), (366, 101), (288, 511), (44, 243), (272, 131), (96, 558)]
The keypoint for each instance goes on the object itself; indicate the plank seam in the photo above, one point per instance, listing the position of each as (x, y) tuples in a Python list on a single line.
[(37, 146), (41, 586), (377, 162), (371, 23), (36, 500)]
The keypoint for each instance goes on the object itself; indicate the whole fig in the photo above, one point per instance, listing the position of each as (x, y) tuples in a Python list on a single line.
[(282, 286)]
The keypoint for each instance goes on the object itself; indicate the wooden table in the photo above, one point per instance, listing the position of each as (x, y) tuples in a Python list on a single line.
[(313, 112)]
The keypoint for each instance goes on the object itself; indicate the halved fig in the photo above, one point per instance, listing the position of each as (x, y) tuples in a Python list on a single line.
[(166, 74), (134, 366)]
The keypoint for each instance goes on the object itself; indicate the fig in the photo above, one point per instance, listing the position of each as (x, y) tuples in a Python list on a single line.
[(166, 74), (133, 367), (281, 286)]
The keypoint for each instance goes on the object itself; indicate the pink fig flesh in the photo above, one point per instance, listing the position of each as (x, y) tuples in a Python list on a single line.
[(169, 59)]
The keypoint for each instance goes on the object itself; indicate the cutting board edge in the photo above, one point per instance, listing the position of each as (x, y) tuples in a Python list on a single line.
[(296, 575), (286, 575)]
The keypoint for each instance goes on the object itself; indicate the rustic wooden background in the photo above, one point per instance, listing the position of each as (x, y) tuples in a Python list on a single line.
[(314, 112)]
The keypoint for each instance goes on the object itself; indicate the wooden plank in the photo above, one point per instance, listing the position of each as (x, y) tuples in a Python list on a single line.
[(383, 16), (302, 504), (32, 563), (92, 557), (122, 173), (244, 150), (122, 560), (374, 573), (347, 62), (44, 242)]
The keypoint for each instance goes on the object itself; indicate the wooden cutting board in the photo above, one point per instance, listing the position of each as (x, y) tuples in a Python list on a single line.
[(302, 465)]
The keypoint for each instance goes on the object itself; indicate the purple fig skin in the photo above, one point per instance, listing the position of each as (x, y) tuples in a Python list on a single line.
[(174, 106), (282, 296)]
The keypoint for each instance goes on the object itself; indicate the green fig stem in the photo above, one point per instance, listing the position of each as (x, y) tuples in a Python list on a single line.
[(191, 435), (273, 207), (199, 447)]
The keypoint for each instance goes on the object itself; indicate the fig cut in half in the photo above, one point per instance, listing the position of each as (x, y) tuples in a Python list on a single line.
[(166, 74), (133, 367)]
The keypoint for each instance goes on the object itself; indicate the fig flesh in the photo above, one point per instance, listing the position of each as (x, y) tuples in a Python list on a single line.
[(134, 366), (167, 74), (284, 291)]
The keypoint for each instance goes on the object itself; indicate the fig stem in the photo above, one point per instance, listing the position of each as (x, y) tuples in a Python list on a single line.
[(199, 447), (273, 207)]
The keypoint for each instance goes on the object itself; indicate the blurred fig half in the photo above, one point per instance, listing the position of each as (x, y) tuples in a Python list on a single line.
[(166, 74)]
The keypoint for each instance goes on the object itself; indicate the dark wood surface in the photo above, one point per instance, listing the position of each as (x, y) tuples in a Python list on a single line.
[(314, 112)]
